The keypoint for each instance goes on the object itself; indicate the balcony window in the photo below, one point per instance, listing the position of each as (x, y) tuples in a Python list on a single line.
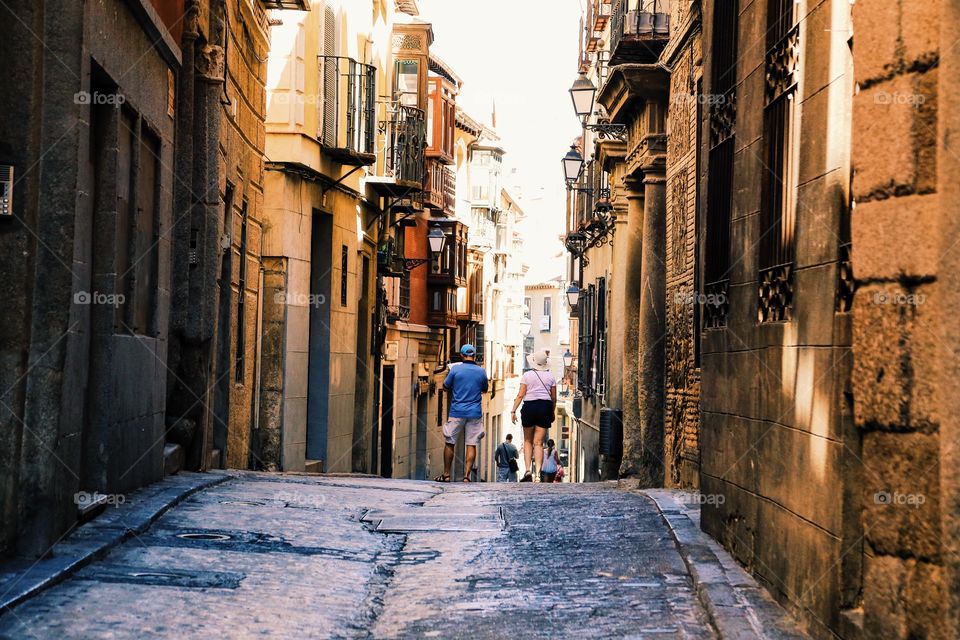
[(348, 120), (449, 267), (441, 117), (407, 84)]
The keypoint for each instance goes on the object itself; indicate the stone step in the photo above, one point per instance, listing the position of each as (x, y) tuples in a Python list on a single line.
[(313, 466), (173, 459)]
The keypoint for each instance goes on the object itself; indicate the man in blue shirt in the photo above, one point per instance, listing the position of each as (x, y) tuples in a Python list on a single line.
[(466, 383)]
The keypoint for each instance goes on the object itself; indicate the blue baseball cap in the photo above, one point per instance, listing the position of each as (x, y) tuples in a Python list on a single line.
[(468, 350)]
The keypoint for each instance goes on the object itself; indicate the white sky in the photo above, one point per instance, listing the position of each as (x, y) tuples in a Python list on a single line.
[(523, 55)]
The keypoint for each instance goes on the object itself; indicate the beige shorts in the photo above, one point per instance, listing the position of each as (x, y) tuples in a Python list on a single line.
[(453, 427)]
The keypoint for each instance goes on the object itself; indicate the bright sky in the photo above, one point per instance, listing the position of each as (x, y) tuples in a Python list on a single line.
[(523, 55)]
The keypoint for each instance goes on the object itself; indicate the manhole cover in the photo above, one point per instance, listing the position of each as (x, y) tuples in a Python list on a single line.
[(210, 537)]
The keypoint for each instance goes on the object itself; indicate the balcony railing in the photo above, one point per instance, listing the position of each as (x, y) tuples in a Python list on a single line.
[(403, 155), (348, 122), (639, 30), (398, 297), (441, 187)]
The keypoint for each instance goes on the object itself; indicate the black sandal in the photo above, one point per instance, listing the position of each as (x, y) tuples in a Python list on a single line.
[(442, 479), (527, 477)]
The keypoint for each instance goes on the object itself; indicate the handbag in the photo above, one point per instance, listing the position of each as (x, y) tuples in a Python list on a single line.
[(511, 462)]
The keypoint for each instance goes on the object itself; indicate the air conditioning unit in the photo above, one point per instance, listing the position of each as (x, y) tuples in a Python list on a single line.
[(6, 190)]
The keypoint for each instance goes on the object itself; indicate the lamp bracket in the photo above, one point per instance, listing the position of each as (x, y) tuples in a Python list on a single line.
[(409, 264), (605, 129)]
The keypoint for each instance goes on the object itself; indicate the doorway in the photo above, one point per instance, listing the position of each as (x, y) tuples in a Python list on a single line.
[(386, 423), (420, 470), (318, 367)]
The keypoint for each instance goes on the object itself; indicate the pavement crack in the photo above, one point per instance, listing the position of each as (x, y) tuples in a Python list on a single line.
[(385, 562)]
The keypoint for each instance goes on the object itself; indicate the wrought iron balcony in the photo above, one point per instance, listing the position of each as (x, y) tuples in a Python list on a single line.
[(403, 157), (348, 122), (295, 5), (441, 188), (639, 30), (398, 297)]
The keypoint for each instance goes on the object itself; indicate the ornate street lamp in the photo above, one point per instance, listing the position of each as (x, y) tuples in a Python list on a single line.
[(567, 359), (572, 165), (573, 297), (583, 93), (437, 239)]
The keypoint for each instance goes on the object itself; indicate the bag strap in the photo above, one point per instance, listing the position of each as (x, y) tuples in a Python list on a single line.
[(542, 384)]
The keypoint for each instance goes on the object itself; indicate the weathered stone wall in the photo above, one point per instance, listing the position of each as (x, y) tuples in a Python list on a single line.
[(242, 141), (82, 406), (778, 448), (897, 314), (682, 412)]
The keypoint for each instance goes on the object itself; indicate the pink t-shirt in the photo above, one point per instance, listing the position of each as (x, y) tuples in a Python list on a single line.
[(539, 384)]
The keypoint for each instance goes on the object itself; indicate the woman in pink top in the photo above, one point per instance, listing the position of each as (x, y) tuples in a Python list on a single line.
[(538, 393)]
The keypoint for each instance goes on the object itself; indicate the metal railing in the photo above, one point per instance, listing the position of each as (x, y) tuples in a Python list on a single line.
[(639, 18), (404, 154), (441, 187), (348, 118)]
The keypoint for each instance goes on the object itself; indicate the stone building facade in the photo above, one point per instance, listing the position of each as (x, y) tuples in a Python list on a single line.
[(808, 328), (684, 56), (89, 132), (316, 401)]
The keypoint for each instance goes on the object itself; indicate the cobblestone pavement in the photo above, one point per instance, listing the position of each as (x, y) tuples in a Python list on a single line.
[(286, 556)]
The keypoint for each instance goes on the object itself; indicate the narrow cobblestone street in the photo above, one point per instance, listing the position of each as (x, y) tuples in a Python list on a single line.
[(286, 556)]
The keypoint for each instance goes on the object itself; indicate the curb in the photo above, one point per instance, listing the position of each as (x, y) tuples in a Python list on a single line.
[(21, 579), (737, 606)]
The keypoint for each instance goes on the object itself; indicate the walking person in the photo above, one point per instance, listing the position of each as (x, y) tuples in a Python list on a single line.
[(506, 459), (538, 393), (466, 383), (551, 462)]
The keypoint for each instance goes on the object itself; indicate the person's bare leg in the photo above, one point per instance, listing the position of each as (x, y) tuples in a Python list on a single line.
[(447, 459), (471, 455), (528, 448), (539, 433)]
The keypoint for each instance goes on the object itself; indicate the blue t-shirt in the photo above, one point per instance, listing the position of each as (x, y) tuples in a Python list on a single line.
[(467, 382)]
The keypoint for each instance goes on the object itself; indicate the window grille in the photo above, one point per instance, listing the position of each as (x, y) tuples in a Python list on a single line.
[(778, 207), (722, 116)]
